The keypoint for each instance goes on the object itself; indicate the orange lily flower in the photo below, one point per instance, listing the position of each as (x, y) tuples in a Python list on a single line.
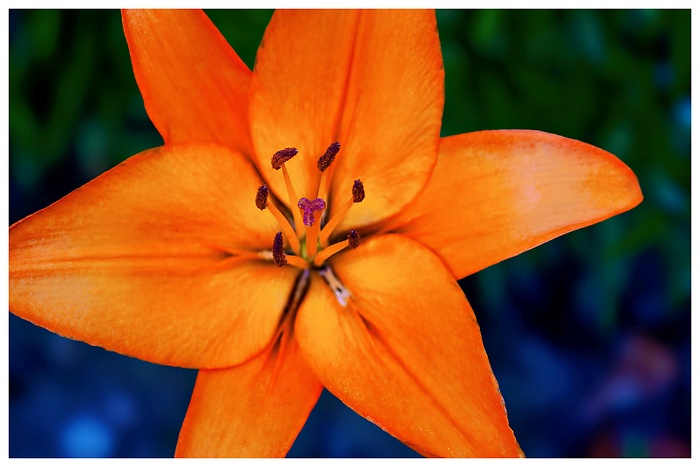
[(351, 284)]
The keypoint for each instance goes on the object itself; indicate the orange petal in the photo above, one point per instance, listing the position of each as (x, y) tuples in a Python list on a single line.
[(392, 115), (495, 194), (253, 410), (373, 81), (194, 86), (406, 352), (297, 90), (148, 260)]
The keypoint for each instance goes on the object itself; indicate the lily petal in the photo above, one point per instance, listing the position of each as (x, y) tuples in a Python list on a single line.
[(253, 410), (406, 351), (495, 194), (297, 90), (372, 80), (150, 260), (194, 86), (393, 113)]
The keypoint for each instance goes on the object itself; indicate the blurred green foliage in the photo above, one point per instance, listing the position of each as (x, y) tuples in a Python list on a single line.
[(72, 91)]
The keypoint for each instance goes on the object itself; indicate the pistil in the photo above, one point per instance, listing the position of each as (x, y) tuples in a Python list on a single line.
[(310, 208)]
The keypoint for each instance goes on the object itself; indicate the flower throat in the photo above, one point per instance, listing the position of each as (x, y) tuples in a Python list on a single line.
[(304, 237)]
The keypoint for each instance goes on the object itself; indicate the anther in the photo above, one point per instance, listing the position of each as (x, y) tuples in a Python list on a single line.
[(278, 250), (358, 191), (281, 259), (261, 198), (262, 203), (326, 160), (282, 156), (353, 239), (310, 207), (358, 194)]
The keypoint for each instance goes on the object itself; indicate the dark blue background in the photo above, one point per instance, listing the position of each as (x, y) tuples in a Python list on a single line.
[(589, 335)]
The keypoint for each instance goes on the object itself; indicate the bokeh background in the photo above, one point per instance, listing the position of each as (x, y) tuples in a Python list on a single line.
[(588, 335)]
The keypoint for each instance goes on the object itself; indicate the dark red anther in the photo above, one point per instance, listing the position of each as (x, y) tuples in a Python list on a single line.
[(353, 239), (358, 191), (326, 160), (309, 207), (282, 156), (278, 250), (261, 197)]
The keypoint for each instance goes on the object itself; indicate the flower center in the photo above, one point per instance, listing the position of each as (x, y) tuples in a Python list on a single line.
[(304, 242)]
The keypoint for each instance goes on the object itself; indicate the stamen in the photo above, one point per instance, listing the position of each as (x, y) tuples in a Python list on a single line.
[(358, 194), (278, 250), (281, 259), (324, 162), (261, 198), (278, 160), (353, 241), (310, 207), (358, 191), (282, 156), (261, 202)]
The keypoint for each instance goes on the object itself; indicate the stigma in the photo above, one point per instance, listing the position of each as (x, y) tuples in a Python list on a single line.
[(306, 225), (310, 208)]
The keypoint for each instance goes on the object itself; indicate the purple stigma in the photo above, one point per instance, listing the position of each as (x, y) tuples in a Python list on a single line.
[(309, 207), (282, 156)]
